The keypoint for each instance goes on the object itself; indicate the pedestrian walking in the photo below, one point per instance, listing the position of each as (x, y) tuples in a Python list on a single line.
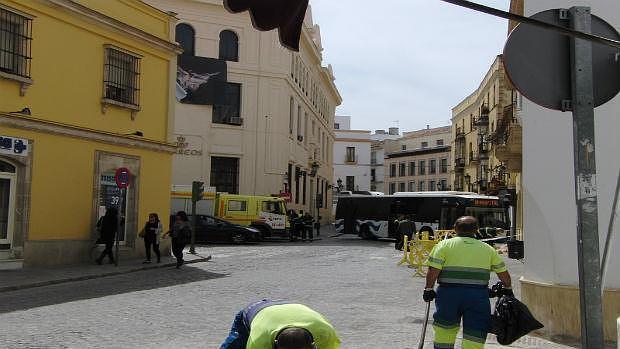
[(307, 230), (404, 226), (462, 267), (271, 324), (180, 233), (152, 233), (107, 226)]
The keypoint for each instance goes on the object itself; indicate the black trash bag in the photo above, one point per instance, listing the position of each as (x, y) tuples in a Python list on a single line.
[(512, 320)]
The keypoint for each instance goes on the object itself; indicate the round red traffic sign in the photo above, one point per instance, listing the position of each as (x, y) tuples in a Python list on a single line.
[(122, 177)]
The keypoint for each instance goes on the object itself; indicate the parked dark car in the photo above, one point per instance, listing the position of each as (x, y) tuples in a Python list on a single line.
[(211, 229)]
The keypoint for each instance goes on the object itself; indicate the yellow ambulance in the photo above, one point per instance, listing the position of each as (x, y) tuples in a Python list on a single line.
[(265, 213)]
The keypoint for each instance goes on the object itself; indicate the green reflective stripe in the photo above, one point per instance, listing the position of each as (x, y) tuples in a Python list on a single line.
[(442, 346), (463, 281), (466, 269), (474, 338), (436, 260), (498, 266), (467, 275)]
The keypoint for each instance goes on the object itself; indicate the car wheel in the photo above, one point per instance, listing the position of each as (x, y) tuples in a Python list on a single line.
[(238, 238), (365, 232)]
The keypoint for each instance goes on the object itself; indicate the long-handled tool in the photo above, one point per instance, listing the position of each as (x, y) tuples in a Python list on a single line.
[(428, 308)]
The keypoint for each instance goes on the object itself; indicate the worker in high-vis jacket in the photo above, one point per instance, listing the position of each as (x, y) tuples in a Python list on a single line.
[(462, 266), (271, 324)]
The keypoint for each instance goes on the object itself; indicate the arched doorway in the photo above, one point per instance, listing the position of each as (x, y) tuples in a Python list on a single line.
[(8, 182)]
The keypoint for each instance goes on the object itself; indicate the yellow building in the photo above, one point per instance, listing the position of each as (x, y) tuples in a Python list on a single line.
[(486, 138), (85, 88)]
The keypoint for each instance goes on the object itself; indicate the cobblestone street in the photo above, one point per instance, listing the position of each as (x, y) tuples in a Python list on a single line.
[(355, 284)]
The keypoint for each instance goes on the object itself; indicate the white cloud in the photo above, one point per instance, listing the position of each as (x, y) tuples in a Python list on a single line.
[(406, 60)]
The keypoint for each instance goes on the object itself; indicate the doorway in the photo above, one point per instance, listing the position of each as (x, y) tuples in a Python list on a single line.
[(7, 203)]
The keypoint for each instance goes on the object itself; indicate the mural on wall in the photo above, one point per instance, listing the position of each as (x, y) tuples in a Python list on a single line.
[(200, 80)]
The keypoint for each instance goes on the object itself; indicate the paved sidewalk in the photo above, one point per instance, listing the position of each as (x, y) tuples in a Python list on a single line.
[(17, 279)]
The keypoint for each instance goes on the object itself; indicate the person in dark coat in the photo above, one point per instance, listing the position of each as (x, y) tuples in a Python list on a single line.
[(151, 234), (180, 233), (108, 226)]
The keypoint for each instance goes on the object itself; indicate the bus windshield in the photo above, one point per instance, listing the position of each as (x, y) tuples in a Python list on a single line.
[(489, 217)]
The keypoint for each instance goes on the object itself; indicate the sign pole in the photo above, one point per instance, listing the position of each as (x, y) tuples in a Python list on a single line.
[(585, 182), (119, 225)]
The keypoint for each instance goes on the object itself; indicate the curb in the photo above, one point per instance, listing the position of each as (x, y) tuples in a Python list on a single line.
[(97, 276)]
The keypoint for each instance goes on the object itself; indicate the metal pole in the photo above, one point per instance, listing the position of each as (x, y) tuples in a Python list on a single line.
[(192, 247), (522, 19), (119, 226), (610, 232), (585, 182)]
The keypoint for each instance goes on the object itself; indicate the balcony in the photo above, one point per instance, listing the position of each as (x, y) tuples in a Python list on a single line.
[(460, 133), (459, 164), (482, 121), (506, 140), (474, 157)]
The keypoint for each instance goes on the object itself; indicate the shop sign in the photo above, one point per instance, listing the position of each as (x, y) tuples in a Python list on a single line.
[(13, 146), (183, 148)]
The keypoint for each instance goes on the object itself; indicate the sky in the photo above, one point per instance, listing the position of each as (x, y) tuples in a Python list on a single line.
[(406, 63)]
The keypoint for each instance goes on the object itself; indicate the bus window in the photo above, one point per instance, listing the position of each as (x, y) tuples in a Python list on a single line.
[(489, 217)]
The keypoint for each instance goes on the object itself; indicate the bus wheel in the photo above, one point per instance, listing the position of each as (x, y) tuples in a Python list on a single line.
[(365, 232)]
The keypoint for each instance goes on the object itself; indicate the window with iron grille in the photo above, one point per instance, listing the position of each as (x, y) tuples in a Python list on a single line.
[(433, 166), (422, 167), (412, 169), (392, 170), (444, 166), (229, 46), (225, 174), (402, 169), (122, 77), (229, 111), (15, 43)]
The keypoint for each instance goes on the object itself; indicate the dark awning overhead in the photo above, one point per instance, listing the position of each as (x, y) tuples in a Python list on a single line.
[(285, 15)]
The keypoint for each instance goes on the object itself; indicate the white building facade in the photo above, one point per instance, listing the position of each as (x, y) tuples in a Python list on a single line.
[(270, 133), (377, 157), (550, 283), (351, 157)]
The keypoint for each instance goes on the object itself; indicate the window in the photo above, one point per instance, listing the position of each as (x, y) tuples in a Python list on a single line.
[(291, 117), (336, 126), (424, 145), (350, 154), (237, 205), (185, 36), (412, 169), (229, 46), (392, 170), (401, 186), (432, 166), (422, 167), (444, 166), (350, 183), (411, 186), (229, 112), (392, 188), (373, 175), (225, 174), (373, 157), (440, 142), (402, 169), (444, 184), (403, 147), (298, 122), (431, 185), (15, 43), (122, 77), (421, 185)]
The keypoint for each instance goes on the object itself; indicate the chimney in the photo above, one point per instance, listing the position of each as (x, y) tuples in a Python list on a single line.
[(393, 131), (380, 132), (428, 127)]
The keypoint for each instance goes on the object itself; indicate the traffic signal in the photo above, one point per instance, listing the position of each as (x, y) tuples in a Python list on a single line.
[(197, 190)]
